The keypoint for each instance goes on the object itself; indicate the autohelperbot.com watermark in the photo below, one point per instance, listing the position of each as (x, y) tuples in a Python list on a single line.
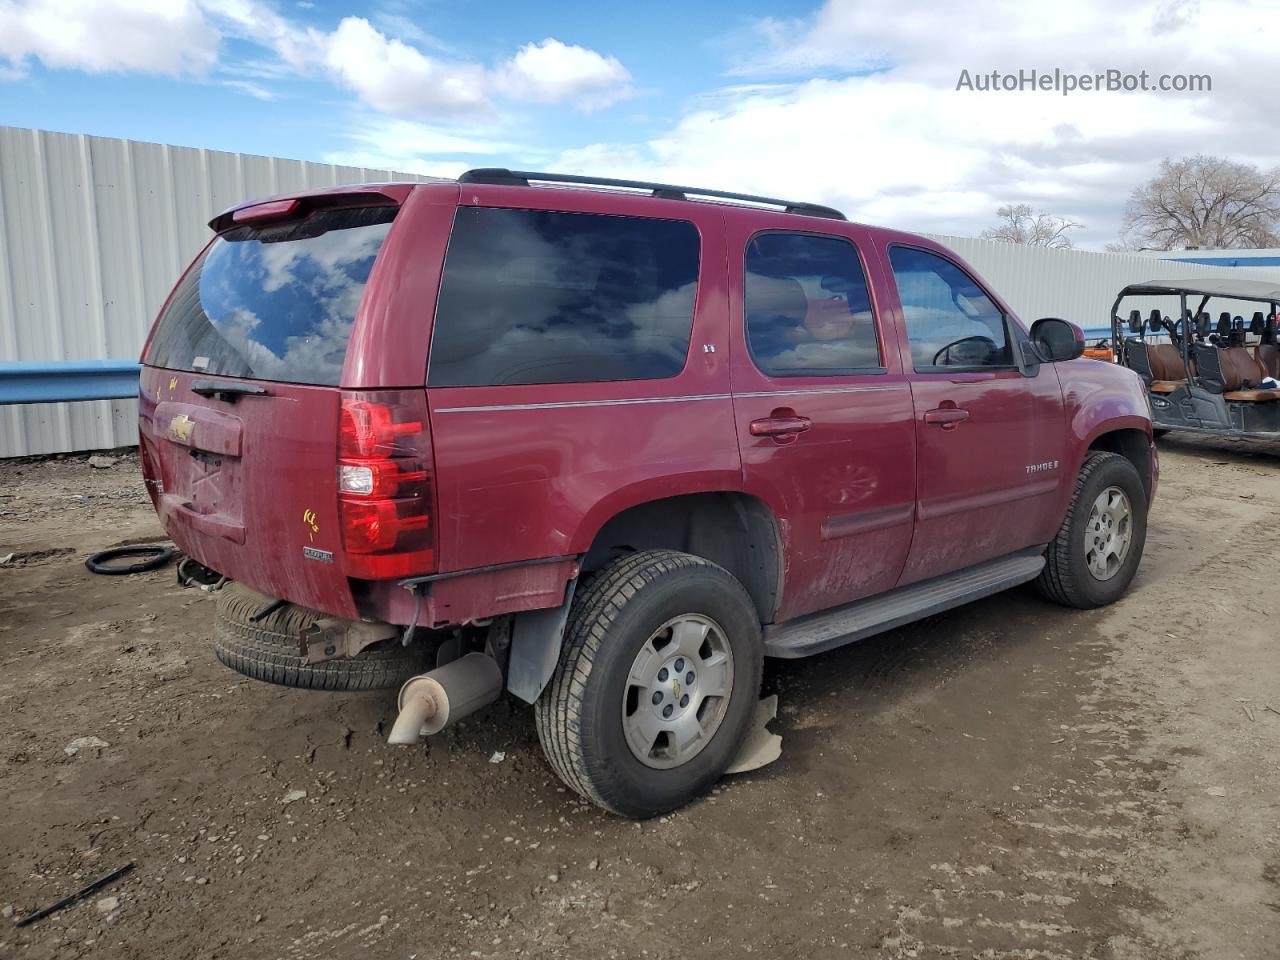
[(1066, 82)]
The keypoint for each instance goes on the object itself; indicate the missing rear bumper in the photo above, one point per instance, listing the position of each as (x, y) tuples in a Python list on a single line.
[(330, 638)]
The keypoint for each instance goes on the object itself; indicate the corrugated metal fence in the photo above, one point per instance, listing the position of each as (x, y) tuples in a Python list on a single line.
[(93, 233), (1081, 286)]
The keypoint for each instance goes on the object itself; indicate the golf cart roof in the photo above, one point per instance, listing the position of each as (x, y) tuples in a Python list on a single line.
[(1265, 291)]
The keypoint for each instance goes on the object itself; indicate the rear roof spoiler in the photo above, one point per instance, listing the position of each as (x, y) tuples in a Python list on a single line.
[(295, 205)]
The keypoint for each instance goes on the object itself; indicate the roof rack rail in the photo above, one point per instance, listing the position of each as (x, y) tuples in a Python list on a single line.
[(521, 178)]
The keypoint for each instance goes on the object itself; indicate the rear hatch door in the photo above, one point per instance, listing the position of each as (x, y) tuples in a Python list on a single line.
[(240, 393)]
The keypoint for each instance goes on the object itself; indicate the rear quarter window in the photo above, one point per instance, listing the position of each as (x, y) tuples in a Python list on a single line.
[(535, 296), (275, 302)]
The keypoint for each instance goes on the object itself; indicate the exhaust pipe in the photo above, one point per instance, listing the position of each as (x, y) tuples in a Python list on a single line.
[(430, 702)]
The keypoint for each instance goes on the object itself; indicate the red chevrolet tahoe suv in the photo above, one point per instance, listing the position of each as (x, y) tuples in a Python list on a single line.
[(606, 445)]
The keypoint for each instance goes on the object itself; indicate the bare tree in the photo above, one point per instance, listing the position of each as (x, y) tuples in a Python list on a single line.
[(1020, 224), (1207, 202)]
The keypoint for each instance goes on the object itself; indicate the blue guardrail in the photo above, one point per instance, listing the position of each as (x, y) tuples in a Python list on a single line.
[(55, 381)]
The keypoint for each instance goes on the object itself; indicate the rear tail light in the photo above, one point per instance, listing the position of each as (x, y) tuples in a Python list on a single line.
[(385, 492)]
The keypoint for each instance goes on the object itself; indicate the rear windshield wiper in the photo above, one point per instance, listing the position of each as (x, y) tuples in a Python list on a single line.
[(227, 390)]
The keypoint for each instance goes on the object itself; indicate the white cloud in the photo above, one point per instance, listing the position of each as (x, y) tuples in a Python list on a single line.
[(388, 73), (554, 72), (250, 89), (406, 146), (996, 34), (405, 138), (171, 37), (395, 77), (297, 47), (402, 27), (882, 133)]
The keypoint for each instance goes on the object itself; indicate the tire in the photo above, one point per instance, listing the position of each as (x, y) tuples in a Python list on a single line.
[(581, 714), (1067, 577), (1158, 432), (269, 651), (156, 555)]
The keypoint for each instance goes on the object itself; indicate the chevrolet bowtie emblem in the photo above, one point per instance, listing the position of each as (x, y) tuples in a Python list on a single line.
[(180, 428)]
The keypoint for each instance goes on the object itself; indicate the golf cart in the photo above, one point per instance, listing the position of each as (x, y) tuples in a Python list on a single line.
[(1203, 376)]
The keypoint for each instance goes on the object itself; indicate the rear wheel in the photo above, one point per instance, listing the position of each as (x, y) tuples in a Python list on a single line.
[(1097, 550), (656, 685)]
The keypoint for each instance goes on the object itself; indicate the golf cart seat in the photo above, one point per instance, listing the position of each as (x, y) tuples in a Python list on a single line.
[(1168, 372), (1268, 357), (1235, 370)]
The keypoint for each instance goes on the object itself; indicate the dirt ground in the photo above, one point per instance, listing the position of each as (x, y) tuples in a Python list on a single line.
[(1010, 780)]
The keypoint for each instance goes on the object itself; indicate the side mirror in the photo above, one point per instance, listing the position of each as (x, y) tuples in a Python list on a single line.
[(1056, 340)]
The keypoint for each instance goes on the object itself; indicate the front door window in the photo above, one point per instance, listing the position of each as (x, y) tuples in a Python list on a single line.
[(950, 322)]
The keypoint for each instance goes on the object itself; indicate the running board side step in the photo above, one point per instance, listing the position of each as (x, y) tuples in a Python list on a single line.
[(818, 632)]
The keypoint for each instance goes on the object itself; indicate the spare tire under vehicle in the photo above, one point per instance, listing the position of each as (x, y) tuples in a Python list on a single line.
[(270, 650)]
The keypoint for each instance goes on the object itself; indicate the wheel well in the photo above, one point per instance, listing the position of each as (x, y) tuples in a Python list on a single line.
[(734, 530), (1134, 446)]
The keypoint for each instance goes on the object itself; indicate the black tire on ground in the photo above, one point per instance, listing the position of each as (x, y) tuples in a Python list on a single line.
[(580, 714), (268, 650), (1066, 578), (155, 555), (1158, 432)]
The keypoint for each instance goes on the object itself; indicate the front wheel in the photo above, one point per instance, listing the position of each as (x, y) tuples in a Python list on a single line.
[(656, 685), (1097, 550)]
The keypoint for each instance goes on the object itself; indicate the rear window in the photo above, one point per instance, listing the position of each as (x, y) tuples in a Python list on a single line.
[(273, 303), (535, 296)]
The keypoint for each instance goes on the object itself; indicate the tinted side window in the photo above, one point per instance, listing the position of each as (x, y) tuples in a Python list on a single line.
[(807, 308), (535, 296), (950, 321)]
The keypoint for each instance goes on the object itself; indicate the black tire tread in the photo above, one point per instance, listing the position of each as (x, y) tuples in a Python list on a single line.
[(1055, 581), (558, 713), (268, 650)]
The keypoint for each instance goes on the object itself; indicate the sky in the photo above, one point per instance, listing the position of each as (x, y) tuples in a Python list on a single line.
[(852, 103)]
